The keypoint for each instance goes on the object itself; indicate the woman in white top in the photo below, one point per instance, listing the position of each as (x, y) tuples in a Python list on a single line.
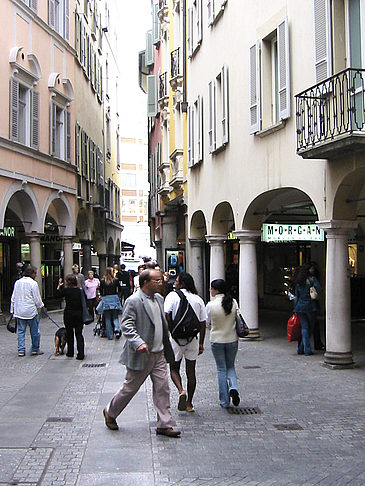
[(221, 312)]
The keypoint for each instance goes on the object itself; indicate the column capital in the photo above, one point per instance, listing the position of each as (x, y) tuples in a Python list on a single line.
[(68, 238), (337, 227), (196, 241), (216, 239), (34, 236), (247, 236)]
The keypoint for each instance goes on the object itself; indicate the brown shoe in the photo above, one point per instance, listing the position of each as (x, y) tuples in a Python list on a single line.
[(170, 432), (110, 422)]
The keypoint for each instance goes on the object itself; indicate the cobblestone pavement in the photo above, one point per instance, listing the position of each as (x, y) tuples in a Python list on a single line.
[(304, 424)]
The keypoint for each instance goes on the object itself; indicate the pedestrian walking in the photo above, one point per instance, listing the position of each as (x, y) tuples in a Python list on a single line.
[(110, 304), (318, 344), (189, 347), (124, 284), (145, 351), (79, 276), (25, 304), (136, 278), (92, 285), (222, 310), (305, 306), (72, 315)]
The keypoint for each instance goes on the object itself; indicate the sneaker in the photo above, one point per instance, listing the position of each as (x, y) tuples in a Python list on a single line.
[(21, 353), (235, 397), (37, 353)]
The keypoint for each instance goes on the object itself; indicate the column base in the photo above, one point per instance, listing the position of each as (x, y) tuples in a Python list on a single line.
[(254, 335), (338, 361)]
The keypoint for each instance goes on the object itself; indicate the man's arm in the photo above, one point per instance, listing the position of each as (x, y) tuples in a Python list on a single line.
[(202, 337), (129, 329), (37, 297)]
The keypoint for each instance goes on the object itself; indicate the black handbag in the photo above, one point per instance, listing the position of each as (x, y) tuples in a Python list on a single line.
[(86, 317), (10, 326), (242, 328)]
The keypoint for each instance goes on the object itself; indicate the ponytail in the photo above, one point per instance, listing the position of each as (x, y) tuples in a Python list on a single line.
[(227, 301)]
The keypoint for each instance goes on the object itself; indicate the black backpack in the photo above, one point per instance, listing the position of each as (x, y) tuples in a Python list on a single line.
[(185, 325)]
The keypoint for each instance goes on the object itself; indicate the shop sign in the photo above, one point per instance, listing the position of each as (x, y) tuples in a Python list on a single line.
[(76, 246), (8, 232), (50, 239), (291, 232)]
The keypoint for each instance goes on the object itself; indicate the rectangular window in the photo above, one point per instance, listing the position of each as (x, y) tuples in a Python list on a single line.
[(24, 114), (33, 4), (129, 180), (215, 9), (195, 132), (218, 111), (59, 17)]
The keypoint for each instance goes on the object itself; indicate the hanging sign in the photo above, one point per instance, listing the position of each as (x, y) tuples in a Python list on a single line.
[(291, 232)]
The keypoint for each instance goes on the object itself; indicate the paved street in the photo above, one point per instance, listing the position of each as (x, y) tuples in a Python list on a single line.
[(308, 429)]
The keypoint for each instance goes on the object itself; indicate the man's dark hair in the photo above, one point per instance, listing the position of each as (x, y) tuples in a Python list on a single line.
[(122, 267), (71, 280), (150, 265), (29, 271), (145, 277), (187, 282)]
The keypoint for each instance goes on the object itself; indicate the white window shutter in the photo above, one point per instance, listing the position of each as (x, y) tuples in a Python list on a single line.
[(67, 20), (156, 23), (151, 96), (34, 5), (51, 14), (14, 109), (322, 39), (149, 60), (189, 36), (34, 142), (254, 87), (225, 110), (52, 128), (210, 5), (68, 135), (284, 69), (199, 21), (200, 129), (192, 143), (212, 117), (77, 146), (190, 137), (77, 36)]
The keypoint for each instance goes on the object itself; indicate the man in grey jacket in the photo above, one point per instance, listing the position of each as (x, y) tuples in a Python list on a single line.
[(145, 352)]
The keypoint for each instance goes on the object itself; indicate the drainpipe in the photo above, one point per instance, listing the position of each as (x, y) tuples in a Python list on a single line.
[(184, 104)]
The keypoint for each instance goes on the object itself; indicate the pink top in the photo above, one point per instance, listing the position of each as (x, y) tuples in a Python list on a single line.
[(91, 287)]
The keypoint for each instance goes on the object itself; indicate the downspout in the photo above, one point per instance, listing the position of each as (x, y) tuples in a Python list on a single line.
[(184, 105)]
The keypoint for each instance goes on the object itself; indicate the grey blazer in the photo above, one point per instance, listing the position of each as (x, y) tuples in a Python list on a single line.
[(138, 328)]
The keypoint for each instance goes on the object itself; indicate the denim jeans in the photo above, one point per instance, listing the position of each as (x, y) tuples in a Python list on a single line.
[(224, 355), (34, 333), (111, 322), (307, 320)]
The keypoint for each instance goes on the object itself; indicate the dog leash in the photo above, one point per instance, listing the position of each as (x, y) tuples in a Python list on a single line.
[(50, 318)]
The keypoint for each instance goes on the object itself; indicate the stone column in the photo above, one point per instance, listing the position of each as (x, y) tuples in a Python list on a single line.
[(248, 291), (102, 264), (196, 263), (68, 255), (169, 234), (338, 299), (35, 256), (159, 255), (86, 251), (217, 261)]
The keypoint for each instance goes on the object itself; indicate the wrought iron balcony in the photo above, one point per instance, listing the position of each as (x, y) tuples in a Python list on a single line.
[(330, 116), (175, 63), (163, 92)]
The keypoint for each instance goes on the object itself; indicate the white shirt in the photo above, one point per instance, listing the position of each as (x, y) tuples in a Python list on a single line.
[(172, 303), (26, 299), (223, 328)]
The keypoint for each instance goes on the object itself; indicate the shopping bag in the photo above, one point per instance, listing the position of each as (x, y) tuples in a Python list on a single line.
[(294, 329)]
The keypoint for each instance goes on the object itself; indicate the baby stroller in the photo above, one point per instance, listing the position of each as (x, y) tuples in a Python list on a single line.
[(100, 326)]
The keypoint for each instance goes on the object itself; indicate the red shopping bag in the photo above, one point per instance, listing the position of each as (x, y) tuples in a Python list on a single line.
[(294, 329)]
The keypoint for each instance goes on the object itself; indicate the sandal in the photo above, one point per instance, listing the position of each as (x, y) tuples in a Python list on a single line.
[(181, 406)]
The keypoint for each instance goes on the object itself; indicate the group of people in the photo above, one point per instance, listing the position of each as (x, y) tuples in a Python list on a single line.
[(146, 321)]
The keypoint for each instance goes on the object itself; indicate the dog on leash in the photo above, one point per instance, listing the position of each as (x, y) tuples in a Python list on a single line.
[(60, 340)]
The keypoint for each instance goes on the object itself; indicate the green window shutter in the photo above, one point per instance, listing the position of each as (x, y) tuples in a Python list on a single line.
[(34, 134), (52, 128), (68, 136), (52, 14), (66, 29), (149, 49), (151, 96), (14, 109)]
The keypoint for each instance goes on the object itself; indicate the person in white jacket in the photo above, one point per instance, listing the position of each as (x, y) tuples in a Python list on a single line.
[(25, 304)]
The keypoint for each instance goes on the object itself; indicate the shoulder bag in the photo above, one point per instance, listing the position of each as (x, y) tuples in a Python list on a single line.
[(12, 327), (242, 328), (86, 317)]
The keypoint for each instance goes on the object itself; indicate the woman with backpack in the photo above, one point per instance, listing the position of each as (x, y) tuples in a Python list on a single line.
[(222, 310)]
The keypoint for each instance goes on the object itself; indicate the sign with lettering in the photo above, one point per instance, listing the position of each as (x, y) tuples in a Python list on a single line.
[(8, 232), (50, 239), (291, 232)]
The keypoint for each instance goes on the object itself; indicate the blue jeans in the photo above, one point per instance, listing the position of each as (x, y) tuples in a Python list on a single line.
[(307, 320), (111, 322), (224, 355), (34, 333)]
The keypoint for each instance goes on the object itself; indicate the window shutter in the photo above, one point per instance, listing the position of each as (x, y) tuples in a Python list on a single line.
[(156, 24), (67, 20), (284, 69), (210, 5), (77, 147), (200, 129), (52, 14), (189, 37), (52, 128), (151, 96), (225, 112), (77, 36), (192, 147), (254, 87), (14, 109), (212, 126), (34, 5), (189, 136), (34, 119), (199, 18), (322, 39), (68, 135), (149, 49)]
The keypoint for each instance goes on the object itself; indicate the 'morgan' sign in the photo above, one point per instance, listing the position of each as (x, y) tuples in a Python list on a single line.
[(291, 232)]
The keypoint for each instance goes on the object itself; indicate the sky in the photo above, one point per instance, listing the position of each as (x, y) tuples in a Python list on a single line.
[(135, 20)]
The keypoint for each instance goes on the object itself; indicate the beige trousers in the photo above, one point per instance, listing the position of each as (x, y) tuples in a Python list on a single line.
[(156, 368)]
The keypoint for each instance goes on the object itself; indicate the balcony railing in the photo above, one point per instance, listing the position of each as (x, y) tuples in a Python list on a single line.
[(162, 91), (162, 4), (330, 115), (175, 63)]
